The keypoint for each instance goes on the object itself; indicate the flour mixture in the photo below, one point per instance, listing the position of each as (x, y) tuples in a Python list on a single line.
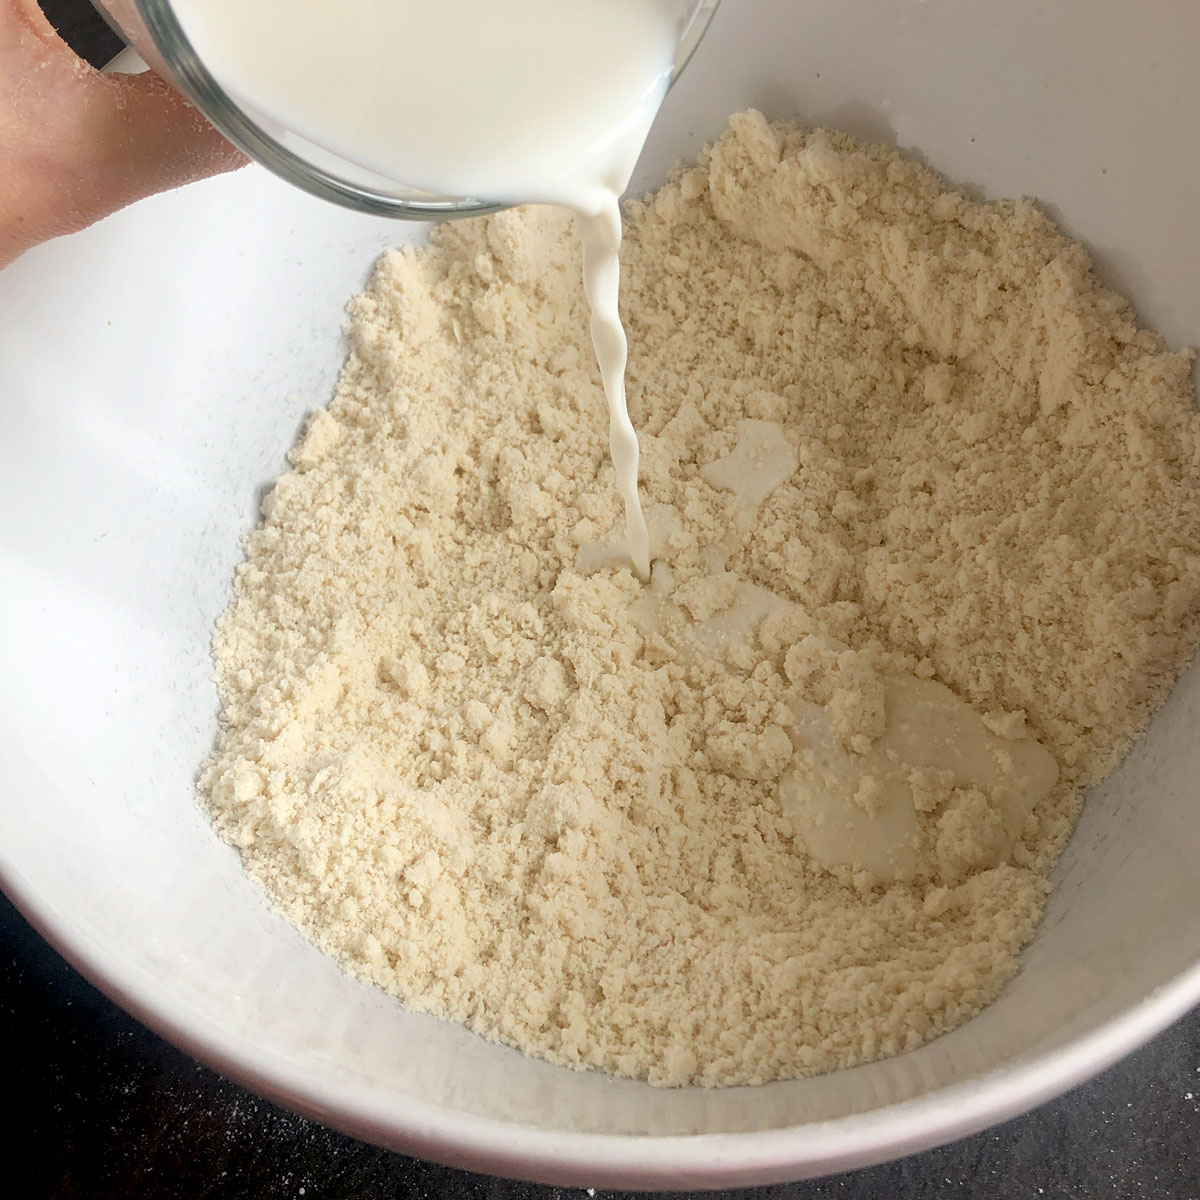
[(924, 505)]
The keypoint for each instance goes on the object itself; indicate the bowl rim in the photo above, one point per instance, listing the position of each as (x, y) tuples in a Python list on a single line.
[(644, 1162)]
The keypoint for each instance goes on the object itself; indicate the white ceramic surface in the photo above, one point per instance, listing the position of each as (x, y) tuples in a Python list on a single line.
[(154, 370)]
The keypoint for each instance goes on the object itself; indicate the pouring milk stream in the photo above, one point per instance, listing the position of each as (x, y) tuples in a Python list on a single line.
[(517, 101)]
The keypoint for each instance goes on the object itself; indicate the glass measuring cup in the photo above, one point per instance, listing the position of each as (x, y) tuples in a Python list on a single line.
[(154, 30)]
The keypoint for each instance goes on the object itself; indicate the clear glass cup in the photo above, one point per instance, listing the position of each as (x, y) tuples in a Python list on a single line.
[(153, 29)]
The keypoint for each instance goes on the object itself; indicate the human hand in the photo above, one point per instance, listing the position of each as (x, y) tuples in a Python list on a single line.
[(76, 144)]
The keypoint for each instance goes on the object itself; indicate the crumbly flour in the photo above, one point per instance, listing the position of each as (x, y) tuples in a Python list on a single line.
[(462, 750)]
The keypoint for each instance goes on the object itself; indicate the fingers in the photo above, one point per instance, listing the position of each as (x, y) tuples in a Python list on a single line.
[(76, 144)]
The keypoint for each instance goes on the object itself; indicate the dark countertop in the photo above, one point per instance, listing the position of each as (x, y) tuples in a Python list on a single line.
[(104, 1108)]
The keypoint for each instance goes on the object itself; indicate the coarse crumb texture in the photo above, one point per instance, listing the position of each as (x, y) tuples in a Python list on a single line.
[(459, 750)]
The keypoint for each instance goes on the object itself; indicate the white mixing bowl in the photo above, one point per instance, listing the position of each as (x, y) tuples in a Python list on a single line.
[(154, 370)]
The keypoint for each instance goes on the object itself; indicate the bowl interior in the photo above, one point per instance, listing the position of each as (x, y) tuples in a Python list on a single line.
[(155, 370)]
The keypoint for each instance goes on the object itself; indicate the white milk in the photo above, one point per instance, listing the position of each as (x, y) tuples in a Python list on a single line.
[(545, 101)]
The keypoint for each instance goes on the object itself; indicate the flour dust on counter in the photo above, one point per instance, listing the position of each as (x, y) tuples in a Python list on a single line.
[(923, 504)]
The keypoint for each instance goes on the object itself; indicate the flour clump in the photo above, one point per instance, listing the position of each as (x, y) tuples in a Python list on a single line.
[(906, 467)]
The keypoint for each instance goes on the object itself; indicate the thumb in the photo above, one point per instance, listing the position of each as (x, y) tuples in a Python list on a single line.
[(78, 144)]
